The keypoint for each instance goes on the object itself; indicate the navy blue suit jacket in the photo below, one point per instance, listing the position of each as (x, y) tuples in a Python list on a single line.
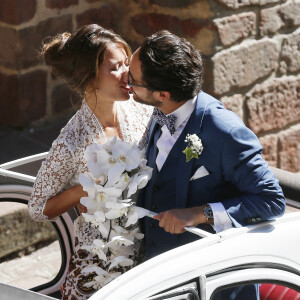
[(238, 175)]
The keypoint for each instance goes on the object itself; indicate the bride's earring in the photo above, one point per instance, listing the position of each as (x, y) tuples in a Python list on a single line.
[(91, 92)]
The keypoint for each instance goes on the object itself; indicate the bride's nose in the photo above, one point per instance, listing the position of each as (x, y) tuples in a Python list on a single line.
[(125, 73)]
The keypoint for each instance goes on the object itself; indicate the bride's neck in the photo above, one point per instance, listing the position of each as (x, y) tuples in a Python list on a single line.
[(105, 111)]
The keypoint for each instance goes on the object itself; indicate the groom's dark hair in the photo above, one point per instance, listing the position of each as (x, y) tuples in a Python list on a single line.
[(170, 63)]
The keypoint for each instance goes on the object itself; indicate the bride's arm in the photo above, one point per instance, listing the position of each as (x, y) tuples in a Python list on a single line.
[(64, 201), (48, 200)]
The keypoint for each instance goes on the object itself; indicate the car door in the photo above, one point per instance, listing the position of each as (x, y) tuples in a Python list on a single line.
[(34, 255)]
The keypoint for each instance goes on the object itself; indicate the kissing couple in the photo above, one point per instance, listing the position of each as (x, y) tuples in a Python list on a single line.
[(207, 168)]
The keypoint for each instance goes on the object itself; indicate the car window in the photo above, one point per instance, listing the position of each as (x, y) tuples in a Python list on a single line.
[(30, 253)]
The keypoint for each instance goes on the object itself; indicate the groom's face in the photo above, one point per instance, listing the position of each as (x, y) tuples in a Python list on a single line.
[(139, 88)]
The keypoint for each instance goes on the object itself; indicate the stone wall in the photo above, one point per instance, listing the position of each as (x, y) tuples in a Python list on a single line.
[(18, 232), (251, 51)]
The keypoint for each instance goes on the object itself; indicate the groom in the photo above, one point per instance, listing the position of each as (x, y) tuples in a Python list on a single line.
[(222, 185)]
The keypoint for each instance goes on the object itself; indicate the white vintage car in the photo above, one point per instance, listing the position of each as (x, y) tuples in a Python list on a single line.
[(267, 253)]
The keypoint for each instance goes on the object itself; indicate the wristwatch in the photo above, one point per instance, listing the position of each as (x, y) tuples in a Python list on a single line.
[(208, 213)]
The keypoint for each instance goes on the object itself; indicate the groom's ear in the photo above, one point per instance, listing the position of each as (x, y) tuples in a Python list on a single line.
[(162, 96)]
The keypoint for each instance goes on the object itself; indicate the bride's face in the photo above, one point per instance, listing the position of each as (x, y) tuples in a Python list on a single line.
[(112, 84)]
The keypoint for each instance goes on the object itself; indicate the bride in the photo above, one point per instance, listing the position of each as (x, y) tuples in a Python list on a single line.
[(94, 63)]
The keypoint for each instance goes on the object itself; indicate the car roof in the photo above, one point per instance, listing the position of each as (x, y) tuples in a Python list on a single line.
[(269, 243)]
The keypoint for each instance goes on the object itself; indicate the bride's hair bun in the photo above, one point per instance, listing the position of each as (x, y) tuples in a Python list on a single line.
[(76, 57), (54, 53)]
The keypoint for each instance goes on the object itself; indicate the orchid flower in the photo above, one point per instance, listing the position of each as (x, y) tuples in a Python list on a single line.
[(131, 235), (124, 251), (102, 277), (138, 181), (88, 184), (127, 153), (121, 261), (96, 248), (98, 221), (117, 230), (117, 242), (134, 214), (117, 209), (103, 195)]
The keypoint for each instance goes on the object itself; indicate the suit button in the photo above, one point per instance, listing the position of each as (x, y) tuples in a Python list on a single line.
[(155, 188), (151, 225), (248, 220), (152, 244), (154, 207)]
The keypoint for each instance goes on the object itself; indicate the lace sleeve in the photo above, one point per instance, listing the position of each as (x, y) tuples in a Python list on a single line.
[(54, 174)]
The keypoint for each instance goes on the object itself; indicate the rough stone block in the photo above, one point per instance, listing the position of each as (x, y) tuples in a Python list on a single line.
[(291, 13), (148, 23), (60, 4), (275, 18), (242, 65), (241, 3), (18, 231), (8, 104), (270, 21), (199, 31), (8, 49), (23, 98), (289, 149), (173, 3), (106, 16), (31, 38), (274, 104), (236, 27), (62, 98), (269, 153), (15, 12), (235, 104), (290, 53)]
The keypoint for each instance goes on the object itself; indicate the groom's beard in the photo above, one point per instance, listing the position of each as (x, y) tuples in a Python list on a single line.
[(148, 99)]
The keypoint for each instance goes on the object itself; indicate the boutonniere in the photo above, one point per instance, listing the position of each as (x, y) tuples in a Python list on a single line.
[(194, 148)]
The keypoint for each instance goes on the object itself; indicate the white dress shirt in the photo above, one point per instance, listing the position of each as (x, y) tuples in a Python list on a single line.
[(165, 143)]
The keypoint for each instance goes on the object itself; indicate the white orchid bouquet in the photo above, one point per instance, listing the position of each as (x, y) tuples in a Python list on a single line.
[(117, 170)]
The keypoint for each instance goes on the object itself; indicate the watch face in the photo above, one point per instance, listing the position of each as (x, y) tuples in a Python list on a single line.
[(208, 212)]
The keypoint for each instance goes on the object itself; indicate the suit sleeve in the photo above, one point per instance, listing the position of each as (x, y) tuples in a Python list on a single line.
[(260, 197)]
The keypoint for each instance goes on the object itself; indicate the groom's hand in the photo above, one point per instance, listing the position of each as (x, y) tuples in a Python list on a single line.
[(174, 220)]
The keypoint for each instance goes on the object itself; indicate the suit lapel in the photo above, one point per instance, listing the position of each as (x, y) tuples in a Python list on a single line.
[(150, 138), (151, 152), (184, 169), (152, 149)]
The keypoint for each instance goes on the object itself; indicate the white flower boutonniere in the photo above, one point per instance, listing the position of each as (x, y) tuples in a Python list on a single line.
[(194, 148)]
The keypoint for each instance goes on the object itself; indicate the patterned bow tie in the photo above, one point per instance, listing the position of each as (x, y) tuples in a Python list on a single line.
[(162, 120)]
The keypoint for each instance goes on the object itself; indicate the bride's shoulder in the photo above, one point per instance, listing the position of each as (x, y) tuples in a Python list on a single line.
[(73, 134)]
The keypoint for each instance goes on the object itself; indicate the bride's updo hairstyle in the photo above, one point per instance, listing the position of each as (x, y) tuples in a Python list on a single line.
[(76, 57)]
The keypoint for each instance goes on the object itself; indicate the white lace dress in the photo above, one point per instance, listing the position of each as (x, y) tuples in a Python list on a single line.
[(62, 167)]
